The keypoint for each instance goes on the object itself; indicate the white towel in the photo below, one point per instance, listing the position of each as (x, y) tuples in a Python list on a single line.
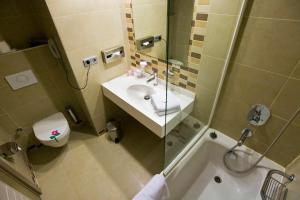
[(155, 189), (159, 101)]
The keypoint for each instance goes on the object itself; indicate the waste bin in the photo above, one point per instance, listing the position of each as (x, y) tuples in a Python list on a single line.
[(113, 131)]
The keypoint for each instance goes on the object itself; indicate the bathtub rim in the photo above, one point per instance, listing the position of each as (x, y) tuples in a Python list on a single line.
[(196, 143)]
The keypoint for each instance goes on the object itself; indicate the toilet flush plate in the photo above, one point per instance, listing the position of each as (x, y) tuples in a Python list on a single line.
[(21, 79)]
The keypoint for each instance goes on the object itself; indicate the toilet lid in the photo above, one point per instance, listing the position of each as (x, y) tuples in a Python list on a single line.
[(54, 125)]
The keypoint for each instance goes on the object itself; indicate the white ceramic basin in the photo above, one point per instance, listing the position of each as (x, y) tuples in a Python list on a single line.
[(139, 91), (128, 93)]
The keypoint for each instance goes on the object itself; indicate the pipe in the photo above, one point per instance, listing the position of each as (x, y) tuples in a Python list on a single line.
[(281, 132)]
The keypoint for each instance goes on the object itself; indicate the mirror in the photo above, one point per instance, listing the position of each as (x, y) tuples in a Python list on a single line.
[(150, 21)]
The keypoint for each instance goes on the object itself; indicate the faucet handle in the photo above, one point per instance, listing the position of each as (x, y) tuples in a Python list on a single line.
[(247, 132)]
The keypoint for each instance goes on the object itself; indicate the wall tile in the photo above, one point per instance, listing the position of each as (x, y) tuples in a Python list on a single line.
[(7, 128), (283, 56), (288, 100), (296, 73), (85, 30), (265, 56), (288, 145), (11, 99), (203, 103), (231, 116), (267, 133), (25, 115), (216, 44), (252, 86), (210, 72), (2, 112), (225, 6), (68, 28), (274, 9), (71, 7), (294, 168)]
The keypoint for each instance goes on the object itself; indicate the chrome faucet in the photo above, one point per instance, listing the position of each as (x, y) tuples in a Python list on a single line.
[(247, 132), (153, 77)]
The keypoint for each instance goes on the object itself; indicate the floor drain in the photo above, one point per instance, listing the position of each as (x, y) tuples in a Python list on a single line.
[(218, 179), (169, 143), (147, 97)]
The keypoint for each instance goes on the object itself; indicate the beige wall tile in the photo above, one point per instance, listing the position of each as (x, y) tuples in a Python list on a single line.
[(288, 100), (210, 72), (288, 145), (25, 115), (294, 168), (217, 44), (68, 28), (69, 7), (262, 53), (11, 99), (203, 103), (283, 56), (296, 73), (2, 112), (231, 116), (252, 86), (225, 7), (275, 9), (267, 133), (90, 40), (7, 128)]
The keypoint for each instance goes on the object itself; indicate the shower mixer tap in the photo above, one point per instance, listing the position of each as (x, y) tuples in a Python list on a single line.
[(247, 132)]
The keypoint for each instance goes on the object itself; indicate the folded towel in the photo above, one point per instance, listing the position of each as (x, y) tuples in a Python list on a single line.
[(155, 189), (159, 102)]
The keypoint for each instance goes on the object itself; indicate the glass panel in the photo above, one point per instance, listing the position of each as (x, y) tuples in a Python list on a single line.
[(150, 21), (199, 37)]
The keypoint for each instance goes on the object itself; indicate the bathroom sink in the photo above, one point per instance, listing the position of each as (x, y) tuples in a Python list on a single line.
[(133, 95), (140, 91)]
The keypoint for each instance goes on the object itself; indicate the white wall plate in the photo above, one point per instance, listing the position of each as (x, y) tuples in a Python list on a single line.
[(21, 79)]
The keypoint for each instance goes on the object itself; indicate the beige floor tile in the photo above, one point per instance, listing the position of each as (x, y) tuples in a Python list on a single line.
[(92, 167)]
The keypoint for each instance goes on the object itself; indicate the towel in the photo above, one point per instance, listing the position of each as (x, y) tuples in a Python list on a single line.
[(159, 101), (155, 189)]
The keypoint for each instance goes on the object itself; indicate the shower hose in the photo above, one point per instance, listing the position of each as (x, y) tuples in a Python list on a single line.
[(281, 132)]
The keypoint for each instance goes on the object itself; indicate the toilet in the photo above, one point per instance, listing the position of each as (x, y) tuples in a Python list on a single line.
[(53, 131)]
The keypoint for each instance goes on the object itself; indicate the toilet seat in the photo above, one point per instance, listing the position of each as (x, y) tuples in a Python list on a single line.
[(53, 130)]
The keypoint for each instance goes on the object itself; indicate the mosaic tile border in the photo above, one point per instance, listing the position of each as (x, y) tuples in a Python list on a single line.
[(185, 77)]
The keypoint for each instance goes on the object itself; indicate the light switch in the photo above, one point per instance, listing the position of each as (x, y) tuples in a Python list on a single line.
[(21, 79)]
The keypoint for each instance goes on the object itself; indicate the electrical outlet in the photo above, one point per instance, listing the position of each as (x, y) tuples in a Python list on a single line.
[(90, 61)]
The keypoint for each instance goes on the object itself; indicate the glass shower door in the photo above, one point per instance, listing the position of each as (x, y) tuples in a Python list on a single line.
[(200, 36)]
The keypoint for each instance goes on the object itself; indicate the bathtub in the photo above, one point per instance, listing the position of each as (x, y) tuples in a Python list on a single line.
[(201, 174)]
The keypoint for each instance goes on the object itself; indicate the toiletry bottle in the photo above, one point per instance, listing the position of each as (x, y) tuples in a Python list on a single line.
[(140, 71)]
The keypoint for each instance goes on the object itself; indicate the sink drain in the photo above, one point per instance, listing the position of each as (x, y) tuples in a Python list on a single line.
[(147, 97), (218, 179)]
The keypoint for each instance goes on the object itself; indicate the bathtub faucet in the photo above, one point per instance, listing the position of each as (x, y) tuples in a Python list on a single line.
[(247, 132)]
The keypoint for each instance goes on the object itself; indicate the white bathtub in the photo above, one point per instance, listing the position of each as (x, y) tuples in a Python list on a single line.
[(193, 176)]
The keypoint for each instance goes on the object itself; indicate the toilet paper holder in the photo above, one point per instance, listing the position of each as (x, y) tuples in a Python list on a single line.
[(145, 43), (112, 54)]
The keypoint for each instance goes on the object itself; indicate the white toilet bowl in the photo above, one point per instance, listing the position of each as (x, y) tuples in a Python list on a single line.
[(52, 131)]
